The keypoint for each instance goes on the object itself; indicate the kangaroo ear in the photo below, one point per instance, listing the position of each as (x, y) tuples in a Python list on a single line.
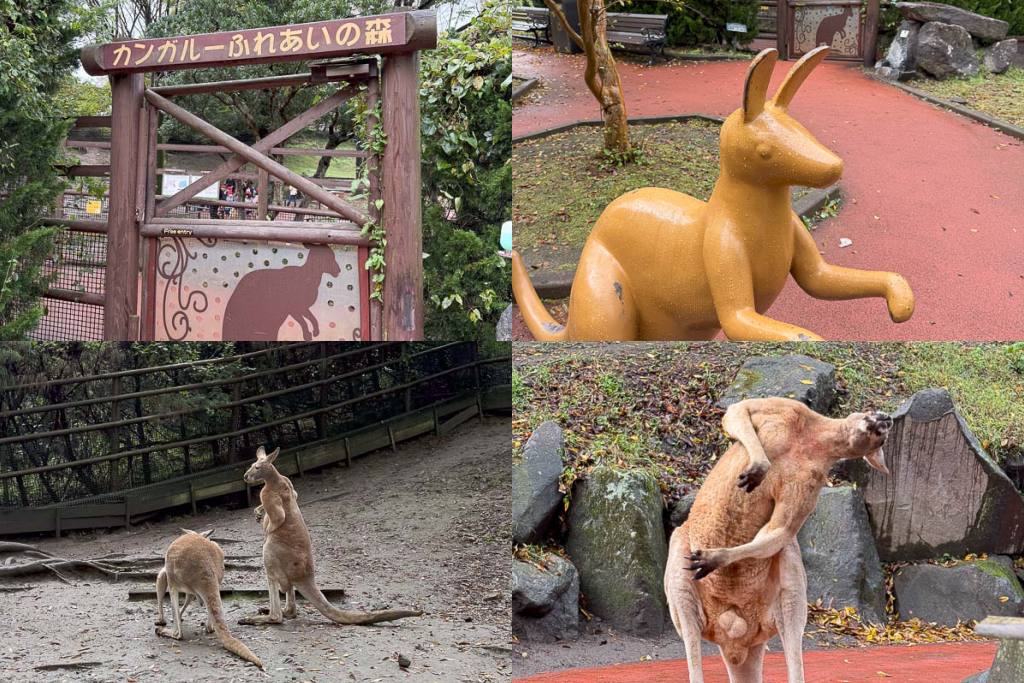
[(261, 454), (273, 456), (755, 89), (207, 534), (798, 74)]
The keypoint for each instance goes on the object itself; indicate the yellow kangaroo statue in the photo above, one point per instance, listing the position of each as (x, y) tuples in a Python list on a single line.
[(660, 264)]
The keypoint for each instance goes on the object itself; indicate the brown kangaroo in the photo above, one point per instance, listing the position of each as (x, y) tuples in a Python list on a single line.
[(831, 26), (660, 264), (288, 552), (263, 299), (734, 574), (194, 565)]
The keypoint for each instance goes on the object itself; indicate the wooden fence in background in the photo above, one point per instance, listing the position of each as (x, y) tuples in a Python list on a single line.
[(321, 403)]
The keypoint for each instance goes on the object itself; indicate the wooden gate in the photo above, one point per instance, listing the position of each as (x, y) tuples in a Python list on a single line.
[(849, 29), (178, 271)]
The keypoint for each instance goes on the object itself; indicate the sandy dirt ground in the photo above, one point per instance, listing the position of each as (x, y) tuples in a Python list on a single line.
[(427, 527)]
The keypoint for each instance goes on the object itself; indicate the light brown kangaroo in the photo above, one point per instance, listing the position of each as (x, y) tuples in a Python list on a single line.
[(288, 552), (734, 574), (264, 299), (660, 264), (194, 565)]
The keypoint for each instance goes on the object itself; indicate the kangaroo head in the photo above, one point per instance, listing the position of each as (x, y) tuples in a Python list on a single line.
[(321, 258), (204, 534), (762, 143), (263, 466), (866, 434)]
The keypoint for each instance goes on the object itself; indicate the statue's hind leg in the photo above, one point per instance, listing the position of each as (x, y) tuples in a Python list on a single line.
[(684, 603), (601, 306)]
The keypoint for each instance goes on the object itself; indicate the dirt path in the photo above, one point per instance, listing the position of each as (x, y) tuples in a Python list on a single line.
[(426, 527), (932, 195), (947, 663)]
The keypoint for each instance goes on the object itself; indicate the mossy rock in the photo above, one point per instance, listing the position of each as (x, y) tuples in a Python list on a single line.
[(617, 542)]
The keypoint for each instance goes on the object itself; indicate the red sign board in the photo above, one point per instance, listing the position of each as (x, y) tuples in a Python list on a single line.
[(400, 32)]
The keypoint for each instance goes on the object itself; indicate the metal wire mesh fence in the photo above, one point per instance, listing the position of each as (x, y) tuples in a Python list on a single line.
[(97, 436)]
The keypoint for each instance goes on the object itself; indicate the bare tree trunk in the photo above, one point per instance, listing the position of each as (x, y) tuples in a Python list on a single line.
[(601, 75)]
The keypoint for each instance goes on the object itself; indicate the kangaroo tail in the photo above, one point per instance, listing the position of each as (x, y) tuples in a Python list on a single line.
[(541, 324), (220, 627), (310, 591)]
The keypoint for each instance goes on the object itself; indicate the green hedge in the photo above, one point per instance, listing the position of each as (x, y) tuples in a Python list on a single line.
[(691, 22)]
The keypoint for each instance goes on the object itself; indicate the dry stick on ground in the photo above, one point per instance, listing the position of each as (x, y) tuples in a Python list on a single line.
[(108, 565), (601, 75)]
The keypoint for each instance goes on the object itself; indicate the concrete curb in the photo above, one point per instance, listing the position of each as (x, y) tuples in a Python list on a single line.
[(980, 117), (530, 84), (555, 283)]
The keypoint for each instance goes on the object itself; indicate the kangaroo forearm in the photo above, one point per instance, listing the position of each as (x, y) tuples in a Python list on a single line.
[(827, 281), (764, 545), (737, 424)]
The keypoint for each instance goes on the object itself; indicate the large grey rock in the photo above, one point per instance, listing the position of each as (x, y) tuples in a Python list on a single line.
[(964, 592), (680, 511), (617, 542), (979, 26), (545, 602), (945, 50), (504, 329), (901, 58), (838, 549), (795, 376), (535, 494), (1000, 56), (1008, 666), (945, 495)]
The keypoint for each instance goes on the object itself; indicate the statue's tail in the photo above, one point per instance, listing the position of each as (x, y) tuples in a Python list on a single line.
[(542, 326)]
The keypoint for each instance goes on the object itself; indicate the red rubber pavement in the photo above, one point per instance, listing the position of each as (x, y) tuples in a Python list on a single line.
[(929, 194), (945, 663)]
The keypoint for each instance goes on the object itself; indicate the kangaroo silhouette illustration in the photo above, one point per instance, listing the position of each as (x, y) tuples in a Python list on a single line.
[(660, 264), (832, 26), (264, 299)]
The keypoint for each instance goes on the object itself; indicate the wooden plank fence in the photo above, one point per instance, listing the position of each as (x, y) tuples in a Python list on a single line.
[(431, 391)]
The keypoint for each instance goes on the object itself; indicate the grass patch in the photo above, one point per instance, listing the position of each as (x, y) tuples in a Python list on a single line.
[(998, 95), (562, 182), (341, 167), (653, 406)]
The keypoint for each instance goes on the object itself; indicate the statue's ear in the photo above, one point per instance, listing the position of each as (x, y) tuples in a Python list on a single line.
[(260, 453), (273, 456), (798, 74), (755, 88)]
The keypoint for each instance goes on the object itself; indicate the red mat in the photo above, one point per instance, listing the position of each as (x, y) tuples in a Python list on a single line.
[(943, 663)]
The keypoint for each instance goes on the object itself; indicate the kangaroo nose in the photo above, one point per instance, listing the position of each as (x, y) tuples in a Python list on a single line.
[(879, 421)]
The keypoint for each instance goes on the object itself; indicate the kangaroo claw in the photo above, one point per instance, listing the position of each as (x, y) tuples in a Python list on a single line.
[(701, 564), (752, 477)]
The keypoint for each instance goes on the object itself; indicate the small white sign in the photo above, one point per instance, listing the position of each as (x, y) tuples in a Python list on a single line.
[(172, 183), (735, 27), (904, 33)]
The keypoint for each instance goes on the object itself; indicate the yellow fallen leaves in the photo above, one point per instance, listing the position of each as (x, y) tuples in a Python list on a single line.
[(848, 622)]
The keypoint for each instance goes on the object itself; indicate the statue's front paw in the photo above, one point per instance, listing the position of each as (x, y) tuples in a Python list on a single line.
[(899, 298)]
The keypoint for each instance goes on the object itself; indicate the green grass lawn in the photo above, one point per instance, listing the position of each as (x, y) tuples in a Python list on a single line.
[(653, 406), (562, 183), (1001, 96), (341, 167)]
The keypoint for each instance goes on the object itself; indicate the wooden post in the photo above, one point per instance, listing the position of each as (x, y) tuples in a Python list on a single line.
[(782, 28), (263, 195), (401, 214), (122, 231), (870, 33)]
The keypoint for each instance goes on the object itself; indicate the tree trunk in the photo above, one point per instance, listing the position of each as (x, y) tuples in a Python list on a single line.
[(601, 75)]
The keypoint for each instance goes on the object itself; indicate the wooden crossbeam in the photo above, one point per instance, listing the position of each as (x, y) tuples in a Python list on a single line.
[(236, 162)]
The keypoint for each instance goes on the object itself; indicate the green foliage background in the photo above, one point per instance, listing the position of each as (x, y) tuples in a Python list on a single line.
[(465, 100), (37, 54), (698, 22)]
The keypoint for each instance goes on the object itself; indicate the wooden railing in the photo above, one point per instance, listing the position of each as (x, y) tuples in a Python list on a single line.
[(106, 438)]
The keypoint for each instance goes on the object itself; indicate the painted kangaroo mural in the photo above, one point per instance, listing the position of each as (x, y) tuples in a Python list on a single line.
[(660, 264), (832, 26), (264, 299)]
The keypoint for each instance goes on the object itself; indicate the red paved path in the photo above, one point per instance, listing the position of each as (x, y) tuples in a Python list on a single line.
[(946, 663), (948, 192)]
